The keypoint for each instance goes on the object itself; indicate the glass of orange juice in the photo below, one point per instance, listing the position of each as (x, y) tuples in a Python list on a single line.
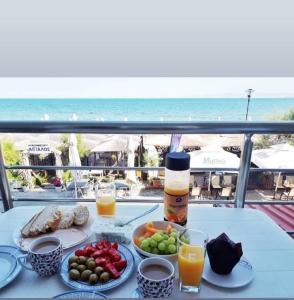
[(105, 199), (191, 256)]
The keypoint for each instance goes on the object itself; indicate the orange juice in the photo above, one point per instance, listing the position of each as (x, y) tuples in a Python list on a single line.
[(191, 263), (106, 205), (176, 203)]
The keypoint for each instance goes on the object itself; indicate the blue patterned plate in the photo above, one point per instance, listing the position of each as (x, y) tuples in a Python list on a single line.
[(9, 266), (80, 294), (125, 253)]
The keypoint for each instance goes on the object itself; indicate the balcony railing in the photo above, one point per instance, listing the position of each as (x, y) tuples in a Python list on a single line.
[(248, 129)]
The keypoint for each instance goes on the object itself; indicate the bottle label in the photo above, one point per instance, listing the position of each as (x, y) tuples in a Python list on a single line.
[(176, 207)]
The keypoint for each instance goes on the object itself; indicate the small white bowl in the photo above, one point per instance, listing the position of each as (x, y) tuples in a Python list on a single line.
[(140, 230)]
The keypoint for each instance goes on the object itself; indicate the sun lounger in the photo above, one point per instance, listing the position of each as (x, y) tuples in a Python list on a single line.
[(215, 182), (196, 192), (226, 193), (288, 195)]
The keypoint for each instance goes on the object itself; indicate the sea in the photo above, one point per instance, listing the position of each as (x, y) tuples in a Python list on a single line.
[(191, 109)]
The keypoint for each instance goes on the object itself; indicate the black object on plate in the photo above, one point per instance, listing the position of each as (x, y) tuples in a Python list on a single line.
[(223, 254)]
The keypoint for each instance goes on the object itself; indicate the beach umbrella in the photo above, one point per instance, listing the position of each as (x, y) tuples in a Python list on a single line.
[(132, 146), (74, 158), (213, 157), (276, 157), (112, 143)]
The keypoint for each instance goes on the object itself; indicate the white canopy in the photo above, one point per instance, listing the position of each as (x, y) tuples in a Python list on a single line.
[(277, 156), (213, 157), (115, 143), (190, 140)]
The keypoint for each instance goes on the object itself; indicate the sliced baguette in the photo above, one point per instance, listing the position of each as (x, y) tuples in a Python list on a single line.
[(25, 232), (47, 220), (67, 219), (81, 215)]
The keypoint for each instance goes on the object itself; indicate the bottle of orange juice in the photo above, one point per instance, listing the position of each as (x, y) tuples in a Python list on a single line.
[(176, 187)]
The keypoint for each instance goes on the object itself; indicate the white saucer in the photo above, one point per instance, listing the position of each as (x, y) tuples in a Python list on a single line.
[(241, 275)]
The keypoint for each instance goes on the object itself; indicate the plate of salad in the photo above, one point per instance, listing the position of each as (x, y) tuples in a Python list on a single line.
[(97, 266)]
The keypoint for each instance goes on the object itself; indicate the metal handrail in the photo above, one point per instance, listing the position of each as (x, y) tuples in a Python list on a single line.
[(212, 127), (203, 127)]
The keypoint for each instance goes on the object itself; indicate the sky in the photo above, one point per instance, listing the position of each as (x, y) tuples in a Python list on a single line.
[(149, 87)]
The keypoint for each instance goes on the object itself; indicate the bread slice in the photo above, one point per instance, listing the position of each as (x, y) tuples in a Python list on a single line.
[(25, 232), (81, 215), (67, 219), (45, 221)]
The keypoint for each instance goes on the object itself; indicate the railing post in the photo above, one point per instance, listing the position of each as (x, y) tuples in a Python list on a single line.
[(4, 185), (244, 171)]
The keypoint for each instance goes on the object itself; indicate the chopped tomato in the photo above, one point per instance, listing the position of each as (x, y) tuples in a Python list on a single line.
[(101, 262), (80, 252), (110, 268), (89, 250), (120, 265), (114, 255), (114, 245), (97, 253)]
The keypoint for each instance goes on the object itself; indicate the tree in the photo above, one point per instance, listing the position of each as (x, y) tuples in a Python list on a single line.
[(11, 157)]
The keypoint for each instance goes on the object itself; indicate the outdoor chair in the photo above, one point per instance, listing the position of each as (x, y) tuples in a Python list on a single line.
[(196, 192), (289, 182), (215, 182), (278, 185), (288, 195), (226, 193), (81, 185), (228, 181)]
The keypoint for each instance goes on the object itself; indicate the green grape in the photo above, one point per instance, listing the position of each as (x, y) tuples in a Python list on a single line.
[(184, 239), (153, 243), (172, 249), (144, 243), (171, 240), (174, 235), (155, 251), (147, 249), (161, 246), (165, 237), (165, 242), (141, 239), (157, 237)]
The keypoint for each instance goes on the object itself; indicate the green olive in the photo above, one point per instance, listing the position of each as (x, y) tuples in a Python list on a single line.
[(72, 259), (85, 275), (91, 265), (73, 265), (93, 279), (104, 277), (98, 270), (81, 268), (74, 274), (82, 260)]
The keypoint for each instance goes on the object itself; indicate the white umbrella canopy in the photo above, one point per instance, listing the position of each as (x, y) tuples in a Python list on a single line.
[(115, 143), (213, 157), (190, 140), (74, 157), (277, 156)]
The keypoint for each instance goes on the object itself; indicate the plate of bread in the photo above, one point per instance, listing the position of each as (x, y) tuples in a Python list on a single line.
[(72, 225)]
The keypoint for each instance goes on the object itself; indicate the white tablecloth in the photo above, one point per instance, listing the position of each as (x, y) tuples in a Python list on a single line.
[(268, 248)]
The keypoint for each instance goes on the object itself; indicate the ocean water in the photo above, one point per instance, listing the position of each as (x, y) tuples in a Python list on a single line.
[(144, 109)]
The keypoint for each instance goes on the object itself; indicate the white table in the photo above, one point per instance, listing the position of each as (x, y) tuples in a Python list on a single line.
[(269, 249)]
